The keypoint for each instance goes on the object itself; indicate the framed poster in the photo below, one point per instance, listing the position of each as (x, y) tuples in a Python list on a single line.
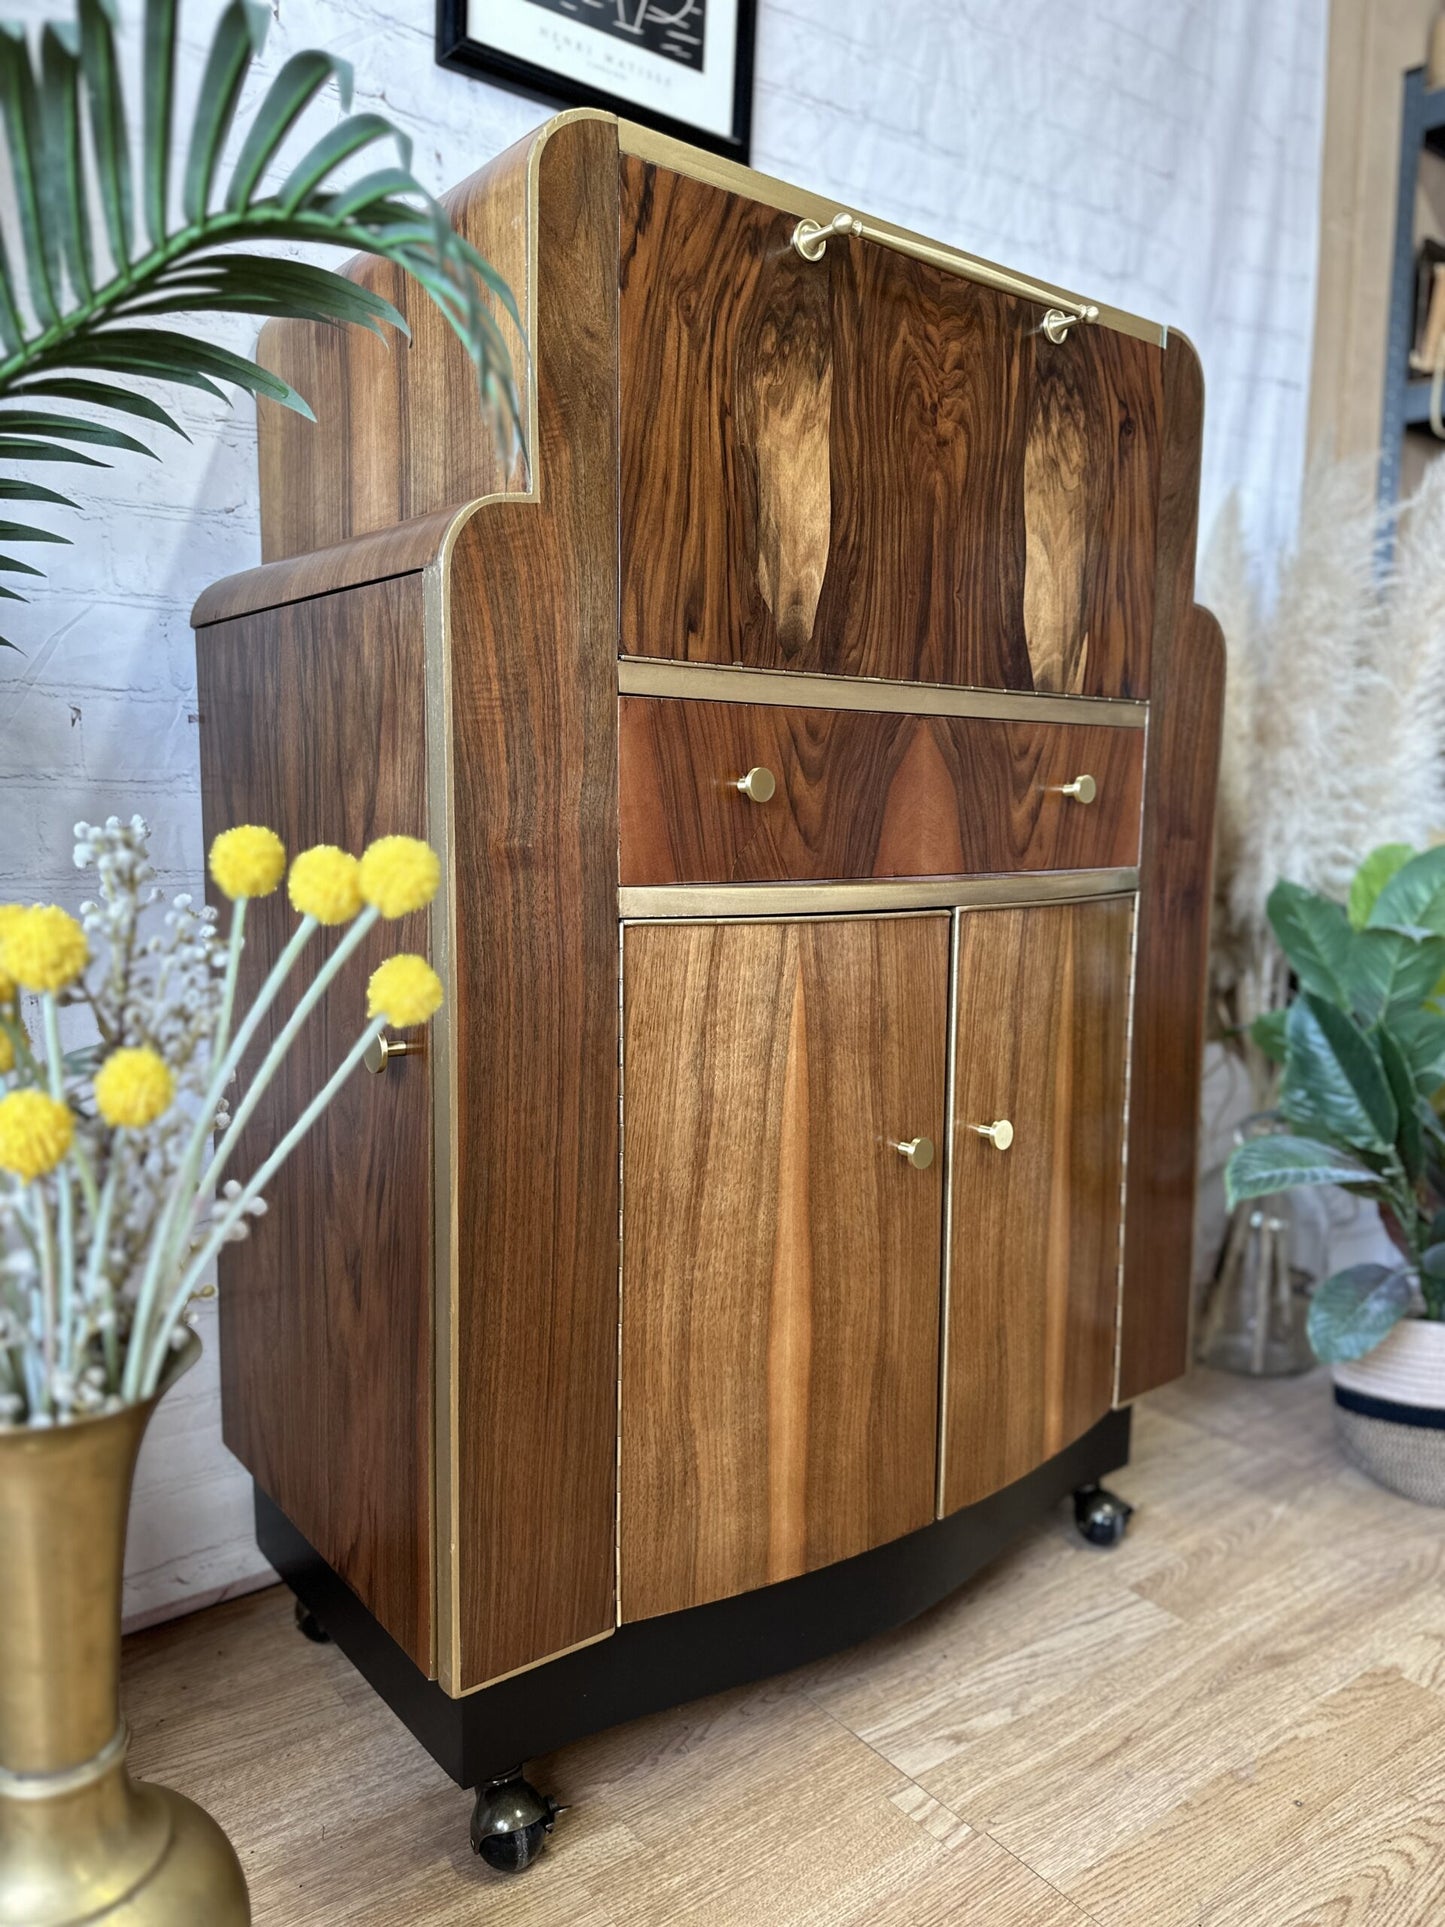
[(684, 67)]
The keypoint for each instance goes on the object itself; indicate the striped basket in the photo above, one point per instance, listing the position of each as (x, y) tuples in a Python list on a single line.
[(1390, 1411)]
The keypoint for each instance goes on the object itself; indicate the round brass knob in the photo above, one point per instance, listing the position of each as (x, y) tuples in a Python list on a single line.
[(759, 785), (1083, 789), (918, 1151), (1000, 1133), (380, 1051)]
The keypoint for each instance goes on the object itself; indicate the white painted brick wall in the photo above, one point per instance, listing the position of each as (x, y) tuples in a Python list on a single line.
[(1159, 154)]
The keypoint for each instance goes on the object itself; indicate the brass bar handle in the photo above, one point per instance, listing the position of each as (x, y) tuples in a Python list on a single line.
[(380, 1051), (1061, 311), (1000, 1133), (759, 785), (917, 1150), (1083, 789)]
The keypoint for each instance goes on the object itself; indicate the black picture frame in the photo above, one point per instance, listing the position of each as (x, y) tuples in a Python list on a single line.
[(456, 49)]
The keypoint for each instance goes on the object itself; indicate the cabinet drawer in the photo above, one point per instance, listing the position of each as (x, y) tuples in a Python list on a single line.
[(866, 794), (867, 465)]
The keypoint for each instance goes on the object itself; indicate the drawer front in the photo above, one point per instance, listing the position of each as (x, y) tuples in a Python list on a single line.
[(867, 465), (864, 794)]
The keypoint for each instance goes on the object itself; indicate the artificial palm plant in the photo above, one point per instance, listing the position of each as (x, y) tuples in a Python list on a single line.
[(112, 241)]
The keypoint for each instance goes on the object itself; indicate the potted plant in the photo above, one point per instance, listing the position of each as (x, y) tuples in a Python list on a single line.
[(1361, 1051), (1334, 714), (114, 1201)]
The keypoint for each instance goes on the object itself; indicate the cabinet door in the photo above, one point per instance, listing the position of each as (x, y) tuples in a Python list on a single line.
[(1041, 1026), (868, 465), (780, 1256)]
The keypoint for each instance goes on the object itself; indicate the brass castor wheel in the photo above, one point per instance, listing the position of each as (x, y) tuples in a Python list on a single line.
[(308, 1624), (1101, 1516), (511, 1821)]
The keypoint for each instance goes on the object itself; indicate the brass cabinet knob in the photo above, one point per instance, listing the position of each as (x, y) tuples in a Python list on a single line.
[(380, 1051), (918, 1151), (1083, 789), (1000, 1133), (759, 785)]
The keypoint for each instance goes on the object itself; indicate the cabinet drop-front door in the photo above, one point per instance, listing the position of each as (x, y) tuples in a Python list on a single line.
[(781, 1253), (1040, 1063)]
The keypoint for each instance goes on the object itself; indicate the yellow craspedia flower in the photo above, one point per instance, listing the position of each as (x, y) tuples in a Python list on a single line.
[(44, 948), (399, 874), (133, 1087), (10, 913), (404, 990), (35, 1133), (326, 884), (248, 861)]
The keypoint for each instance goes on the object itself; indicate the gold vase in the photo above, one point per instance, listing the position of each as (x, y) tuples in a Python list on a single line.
[(79, 1840)]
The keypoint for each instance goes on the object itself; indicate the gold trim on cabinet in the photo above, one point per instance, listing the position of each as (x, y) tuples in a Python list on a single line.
[(436, 623), (708, 901), (810, 239), (728, 683), (661, 151), (946, 1268), (1124, 1156)]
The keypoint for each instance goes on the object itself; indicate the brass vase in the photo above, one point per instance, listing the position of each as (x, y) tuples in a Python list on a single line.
[(80, 1841)]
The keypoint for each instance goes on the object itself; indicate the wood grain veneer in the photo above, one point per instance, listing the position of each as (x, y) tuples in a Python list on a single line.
[(868, 466), (375, 456), (532, 596), (1034, 1256), (326, 1309), (1175, 888), (865, 795), (780, 1258)]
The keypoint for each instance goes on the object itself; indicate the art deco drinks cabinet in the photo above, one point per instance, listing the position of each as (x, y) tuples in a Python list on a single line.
[(820, 737)]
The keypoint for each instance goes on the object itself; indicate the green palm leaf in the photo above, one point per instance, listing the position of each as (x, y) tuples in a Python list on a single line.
[(78, 329)]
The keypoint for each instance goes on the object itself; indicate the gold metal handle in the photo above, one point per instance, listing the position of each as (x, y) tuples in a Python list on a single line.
[(1083, 789), (759, 785), (918, 1151), (1061, 311), (1000, 1133), (380, 1051)]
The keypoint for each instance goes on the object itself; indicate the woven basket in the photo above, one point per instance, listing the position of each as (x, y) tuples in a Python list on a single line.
[(1390, 1411)]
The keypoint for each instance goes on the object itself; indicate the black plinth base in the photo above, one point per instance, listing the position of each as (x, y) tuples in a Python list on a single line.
[(657, 1663)]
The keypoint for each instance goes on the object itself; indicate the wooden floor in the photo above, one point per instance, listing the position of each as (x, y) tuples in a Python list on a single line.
[(1236, 1719)]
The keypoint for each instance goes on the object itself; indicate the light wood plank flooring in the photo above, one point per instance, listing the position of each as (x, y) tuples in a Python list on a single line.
[(1235, 1720)]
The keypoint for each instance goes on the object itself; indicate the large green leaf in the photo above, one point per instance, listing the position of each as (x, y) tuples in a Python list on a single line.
[(109, 137), (101, 394), (160, 351), (20, 104), (320, 162), (1372, 876), (1262, 1166), (1420, 1033), (1352, 1311), (1414, 897), (1391, 970), (1334, 1083), (68, 428), (290, 94), (1314, 934), (240, 34), (18, 491), (1268, 1030), (160, 88), (1409, 1134), (256, 283), (62, 179)]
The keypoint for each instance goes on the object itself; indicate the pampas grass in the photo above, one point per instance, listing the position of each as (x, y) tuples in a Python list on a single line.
[(1334, 719)]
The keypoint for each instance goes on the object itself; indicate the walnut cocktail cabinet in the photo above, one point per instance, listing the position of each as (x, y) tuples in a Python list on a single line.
[(819, 734)]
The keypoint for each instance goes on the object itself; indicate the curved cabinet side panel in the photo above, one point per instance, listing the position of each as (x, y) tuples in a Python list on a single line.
[(1175, 880), (312, 722), (531, 599)]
